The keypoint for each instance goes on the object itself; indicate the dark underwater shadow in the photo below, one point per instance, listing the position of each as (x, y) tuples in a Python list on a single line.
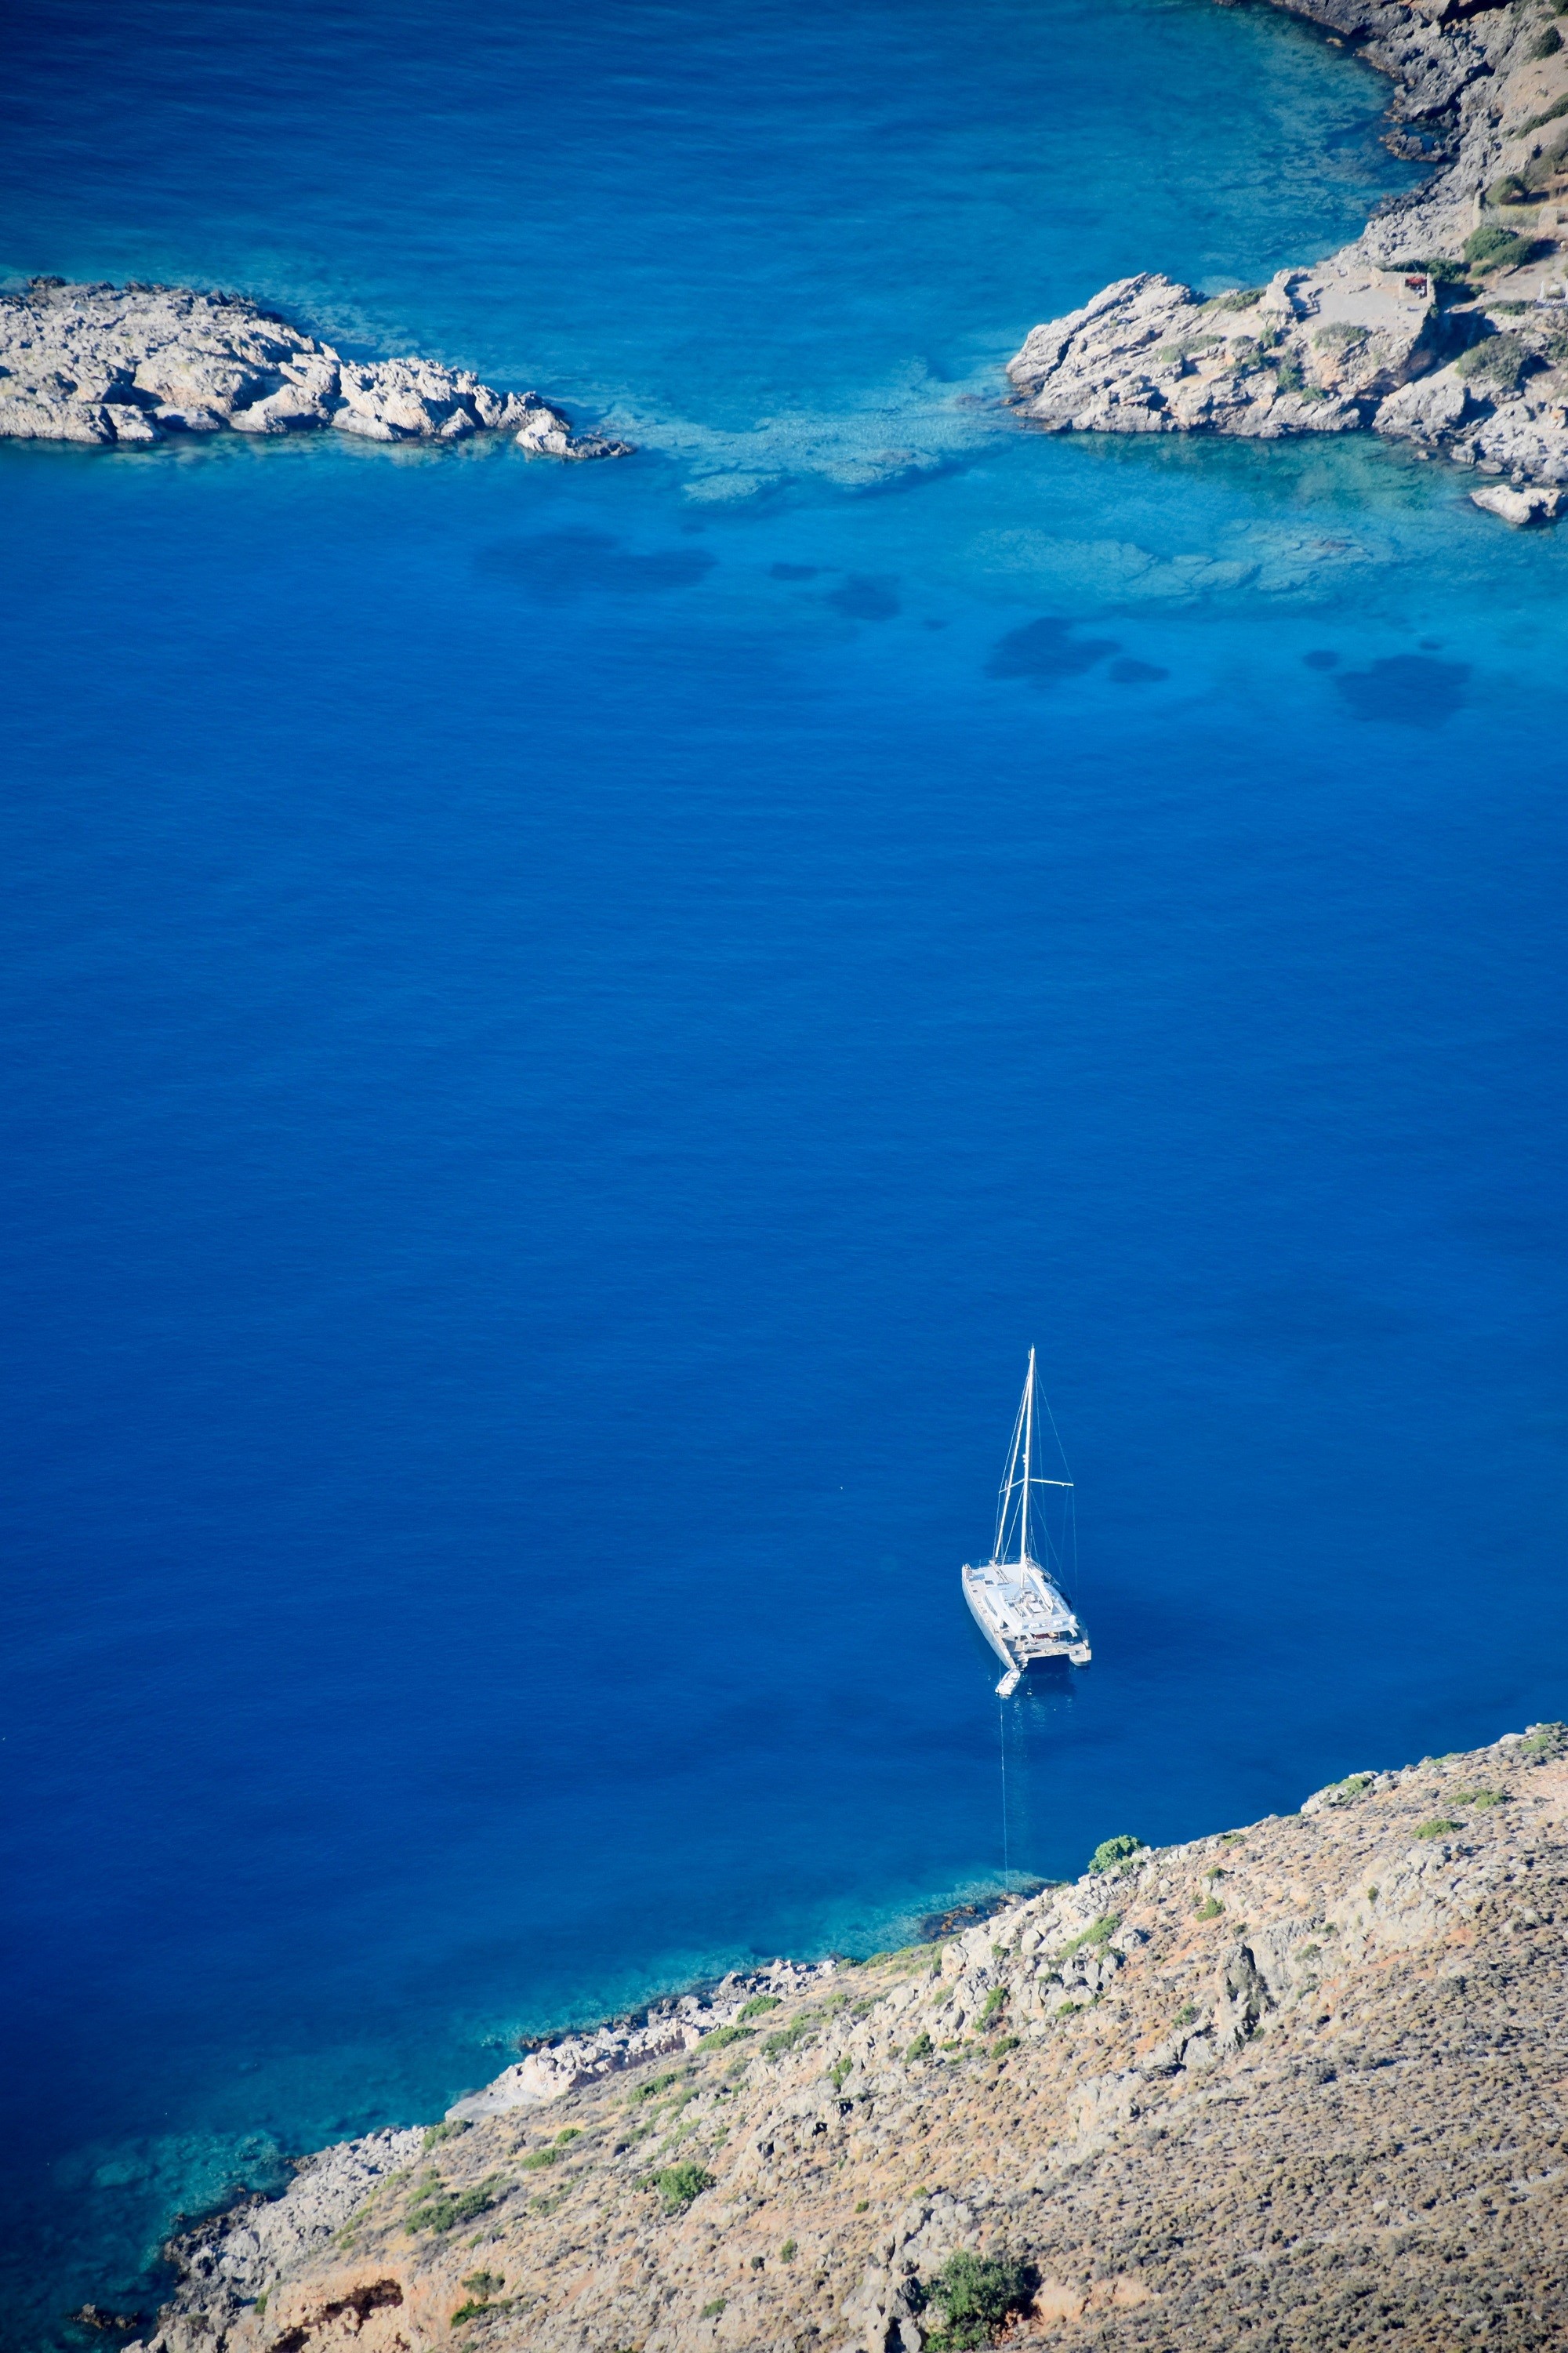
[(1407, 690), (577, 562), (865, 598), (1043, 652)]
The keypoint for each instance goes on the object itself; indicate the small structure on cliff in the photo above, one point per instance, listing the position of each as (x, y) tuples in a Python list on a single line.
[(1443, 325)]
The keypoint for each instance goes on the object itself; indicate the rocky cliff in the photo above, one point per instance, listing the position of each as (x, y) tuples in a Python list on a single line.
[(1445, 324), (1302, 2085), (132, 365)]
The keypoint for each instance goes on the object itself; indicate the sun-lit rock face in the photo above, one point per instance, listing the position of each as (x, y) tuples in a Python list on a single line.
[(1445, 324), (1272, 2086), (128, 365)]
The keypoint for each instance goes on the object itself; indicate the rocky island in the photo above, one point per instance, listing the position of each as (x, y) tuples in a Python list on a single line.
[(133, 365), (1300, 2084), (1445, 324)]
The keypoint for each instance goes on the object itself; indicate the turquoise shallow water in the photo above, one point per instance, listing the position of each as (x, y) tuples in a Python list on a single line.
[(566, 1030)]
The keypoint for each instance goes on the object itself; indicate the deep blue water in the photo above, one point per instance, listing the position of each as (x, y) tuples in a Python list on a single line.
[(565, 1030)]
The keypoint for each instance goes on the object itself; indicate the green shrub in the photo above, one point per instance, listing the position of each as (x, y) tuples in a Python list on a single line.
[(839, 2071), (1099, 1932), (1438, 268), (1510, 190), (483, 2287), (652, 2088), (788, 2252), (722, 2036), (758, 2004), (1112, 1853), (920, 2048), (1210, 1908), (434, 2207), (444, 2131), (1490, 247), (1546, 43), (1185, 2015), (677, 2185), (1338, 335), (1068, 2008), (1476, 1797), (995, 2001), (1553, 113), (787, 2037), (538, 2159), (1545, 1740), (1004, 2044), (1496, 362), (1440, 1829), (977, 2294), (1243, 299), (711, 2311)]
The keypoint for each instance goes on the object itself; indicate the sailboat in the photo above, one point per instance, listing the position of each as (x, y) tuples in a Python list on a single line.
[(1016, 1600)]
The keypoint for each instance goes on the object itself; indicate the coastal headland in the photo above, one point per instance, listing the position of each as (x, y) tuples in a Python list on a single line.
[(128, 365), (1444, 324), (1303, 2083)]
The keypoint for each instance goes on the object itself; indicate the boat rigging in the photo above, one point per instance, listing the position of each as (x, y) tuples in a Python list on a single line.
[(1017, 1599)]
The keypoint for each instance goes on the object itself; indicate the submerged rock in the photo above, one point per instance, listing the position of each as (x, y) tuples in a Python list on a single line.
[(132, 365), (1445, 324)]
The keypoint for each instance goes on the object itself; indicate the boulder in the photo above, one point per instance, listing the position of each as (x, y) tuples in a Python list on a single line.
[(1532, 504)]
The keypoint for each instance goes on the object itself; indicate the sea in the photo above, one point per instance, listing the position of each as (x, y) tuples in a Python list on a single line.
[(566, 1028)]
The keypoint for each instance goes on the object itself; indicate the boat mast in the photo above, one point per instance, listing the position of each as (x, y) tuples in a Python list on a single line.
[(1028, 1459)]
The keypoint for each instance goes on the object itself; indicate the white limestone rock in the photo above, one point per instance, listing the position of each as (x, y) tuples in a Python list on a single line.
[(1425, 410), (1521, 508), (132, 365), (1366, 340), (677, 2024), (1313, 352)]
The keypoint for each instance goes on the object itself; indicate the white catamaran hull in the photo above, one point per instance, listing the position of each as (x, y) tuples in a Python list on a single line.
[(1023, 1625), (1013, 1597)]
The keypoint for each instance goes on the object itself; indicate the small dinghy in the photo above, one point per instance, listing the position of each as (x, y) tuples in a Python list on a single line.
[(1017, 1601)]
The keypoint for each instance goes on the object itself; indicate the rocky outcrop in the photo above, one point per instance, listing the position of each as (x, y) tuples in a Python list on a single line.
[(1445, 324), (132, 365), (1300, 2084), (676, 2025)]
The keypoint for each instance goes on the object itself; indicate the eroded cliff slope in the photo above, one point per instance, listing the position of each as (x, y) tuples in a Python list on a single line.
[(1302, 2085)]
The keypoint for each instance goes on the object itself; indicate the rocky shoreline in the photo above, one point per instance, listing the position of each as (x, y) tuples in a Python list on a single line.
[(126, 366), (564, 2062), (1444, 325), (1304, 2084)]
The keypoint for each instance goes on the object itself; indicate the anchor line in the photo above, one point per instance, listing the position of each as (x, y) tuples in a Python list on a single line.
[(1002, 1742)]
